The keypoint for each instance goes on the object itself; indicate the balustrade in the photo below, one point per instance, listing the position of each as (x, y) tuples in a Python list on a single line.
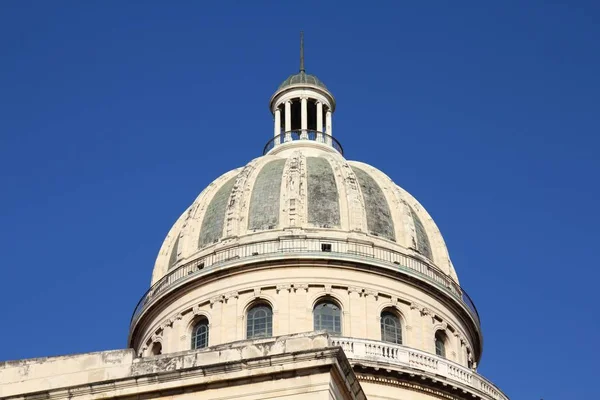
[(405, 357), (285, 246)]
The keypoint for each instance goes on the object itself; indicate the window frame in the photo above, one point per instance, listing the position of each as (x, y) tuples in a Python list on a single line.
[(391, 313), (201, 322), (251, 321), (440, 338), (320, 304)]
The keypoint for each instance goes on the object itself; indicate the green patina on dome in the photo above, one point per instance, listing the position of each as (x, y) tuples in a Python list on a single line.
[(302, 78)]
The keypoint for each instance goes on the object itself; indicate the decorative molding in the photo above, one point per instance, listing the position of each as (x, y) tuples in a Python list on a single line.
[(190, 313), (287, 287), (230, 295), (355, 289), (301, 286)]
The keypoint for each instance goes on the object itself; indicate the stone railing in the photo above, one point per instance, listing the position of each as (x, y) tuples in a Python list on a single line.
[(402, 357), (304, 247)]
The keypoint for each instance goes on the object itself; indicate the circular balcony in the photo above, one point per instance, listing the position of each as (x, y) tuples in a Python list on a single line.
[(304, 134), (405, 360), (302, 247)]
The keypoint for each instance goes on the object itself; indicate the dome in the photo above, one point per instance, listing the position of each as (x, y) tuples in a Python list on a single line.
[(302, 78), (316, 243), (309, 192)]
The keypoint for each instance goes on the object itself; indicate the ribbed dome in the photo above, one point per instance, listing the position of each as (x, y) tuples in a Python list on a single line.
[(303, 191), (302, 78)]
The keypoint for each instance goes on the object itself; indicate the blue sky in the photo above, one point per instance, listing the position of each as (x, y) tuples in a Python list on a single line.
[(115, 115)]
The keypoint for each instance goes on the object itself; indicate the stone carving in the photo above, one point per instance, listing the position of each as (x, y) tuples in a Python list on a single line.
[(294, 180), (301, 286), (355, 289), (230, 295), (354, 199), (281, 287), (234, 207)]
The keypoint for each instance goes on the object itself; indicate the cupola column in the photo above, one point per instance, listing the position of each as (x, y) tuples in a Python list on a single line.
[(288, 121), (277, 130), (328, 128), (319, 121), (304, 118)]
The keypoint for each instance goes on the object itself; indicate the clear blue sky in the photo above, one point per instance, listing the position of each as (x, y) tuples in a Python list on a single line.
[(115, 115)]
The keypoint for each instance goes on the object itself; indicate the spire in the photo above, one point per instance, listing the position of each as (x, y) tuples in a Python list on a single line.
[(302, 51)]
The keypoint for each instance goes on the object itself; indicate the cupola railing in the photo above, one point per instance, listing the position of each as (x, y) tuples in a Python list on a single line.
[(303, 134), (249, 253)]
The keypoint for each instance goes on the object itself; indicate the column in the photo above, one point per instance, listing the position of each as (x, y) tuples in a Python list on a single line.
[(358, 322), (288, 121), (281, 324), (328, 122), (277, 130), (304, 118), (229, 318), (319, 122)]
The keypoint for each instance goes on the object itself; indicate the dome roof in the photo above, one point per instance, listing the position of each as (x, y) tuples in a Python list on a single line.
[(302, 78), (304, 191)]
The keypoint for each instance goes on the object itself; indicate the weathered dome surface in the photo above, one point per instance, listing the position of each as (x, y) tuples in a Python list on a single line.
[(306, 191), (302, 78)]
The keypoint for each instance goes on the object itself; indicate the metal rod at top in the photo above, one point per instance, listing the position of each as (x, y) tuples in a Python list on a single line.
[(301, 51)]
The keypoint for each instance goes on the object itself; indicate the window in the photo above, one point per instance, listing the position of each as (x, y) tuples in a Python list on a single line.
[(156, 349), (327, 316), (391, 330), (440, 344), (200, 334), (260, 322), (469, 359), (326, 247)]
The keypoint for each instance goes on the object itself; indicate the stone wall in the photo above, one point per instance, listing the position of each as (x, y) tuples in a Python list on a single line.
[(294, 367), (292, 291)]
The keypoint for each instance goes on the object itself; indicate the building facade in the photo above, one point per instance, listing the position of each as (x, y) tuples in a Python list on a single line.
[(300, 275)]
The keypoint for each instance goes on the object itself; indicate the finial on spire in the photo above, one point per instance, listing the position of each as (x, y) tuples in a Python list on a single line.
[(301, 51)]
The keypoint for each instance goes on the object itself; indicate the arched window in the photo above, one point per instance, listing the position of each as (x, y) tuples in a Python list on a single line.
[(440, 343), (327, 316), (391, 329), (469, 359), (156, 349), (259, 322), (200, 334)]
